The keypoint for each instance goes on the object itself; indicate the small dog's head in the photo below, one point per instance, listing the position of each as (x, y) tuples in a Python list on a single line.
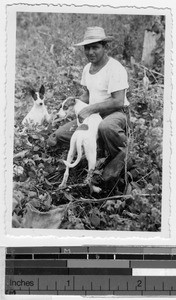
[(38, 96), (66, 107)]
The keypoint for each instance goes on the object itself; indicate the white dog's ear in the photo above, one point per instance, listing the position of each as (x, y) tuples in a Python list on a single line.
[(42, 90), (33, 94)]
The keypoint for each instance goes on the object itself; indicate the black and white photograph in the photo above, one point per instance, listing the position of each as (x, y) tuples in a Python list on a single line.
[(90, 140)]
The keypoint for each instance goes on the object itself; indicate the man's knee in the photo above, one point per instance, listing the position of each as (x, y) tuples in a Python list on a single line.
[(62, 134), (112, 133), (109, 128), (103, 127)]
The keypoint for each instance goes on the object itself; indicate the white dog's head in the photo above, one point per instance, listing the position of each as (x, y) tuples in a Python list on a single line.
[(71, 106), (67, 107), (38, 97)]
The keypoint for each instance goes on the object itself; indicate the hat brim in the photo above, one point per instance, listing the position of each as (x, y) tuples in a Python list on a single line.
[(91, 41)]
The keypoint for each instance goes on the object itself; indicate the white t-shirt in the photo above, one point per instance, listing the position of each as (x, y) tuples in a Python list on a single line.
[(111, 78)]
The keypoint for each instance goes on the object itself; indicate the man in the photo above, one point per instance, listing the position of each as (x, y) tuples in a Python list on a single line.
[(105, 81)]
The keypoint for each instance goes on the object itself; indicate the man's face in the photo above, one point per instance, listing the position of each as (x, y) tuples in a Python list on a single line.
[(94, 52)]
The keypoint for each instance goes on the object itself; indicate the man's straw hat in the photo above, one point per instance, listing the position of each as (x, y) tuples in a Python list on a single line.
[(93, 35)]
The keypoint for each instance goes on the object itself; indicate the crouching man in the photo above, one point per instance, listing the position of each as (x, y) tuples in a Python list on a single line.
[(105, 82)]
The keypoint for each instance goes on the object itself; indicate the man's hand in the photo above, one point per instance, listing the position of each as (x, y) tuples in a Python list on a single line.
[(84, 113)]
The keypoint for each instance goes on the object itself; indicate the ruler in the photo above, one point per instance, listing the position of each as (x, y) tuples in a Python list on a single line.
[(91, 270)]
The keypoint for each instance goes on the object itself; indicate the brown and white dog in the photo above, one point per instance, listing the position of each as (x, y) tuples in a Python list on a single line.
[(84, 138), (38, 114)]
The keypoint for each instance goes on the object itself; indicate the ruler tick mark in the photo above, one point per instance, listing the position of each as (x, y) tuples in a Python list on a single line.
[(73, 283)]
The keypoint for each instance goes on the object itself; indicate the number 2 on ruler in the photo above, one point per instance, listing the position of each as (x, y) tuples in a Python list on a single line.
[(139, 283)]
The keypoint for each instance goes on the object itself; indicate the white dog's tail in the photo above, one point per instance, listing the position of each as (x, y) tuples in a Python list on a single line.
[(79, 155)]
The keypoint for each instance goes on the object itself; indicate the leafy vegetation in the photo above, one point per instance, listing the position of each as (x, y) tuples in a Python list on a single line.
[(45, 54)]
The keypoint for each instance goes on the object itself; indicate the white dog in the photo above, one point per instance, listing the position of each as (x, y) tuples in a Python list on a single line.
[(38, 114), (84, 137)]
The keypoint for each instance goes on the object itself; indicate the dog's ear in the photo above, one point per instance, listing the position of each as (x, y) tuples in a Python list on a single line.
[(33, 94), (42, 90)]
